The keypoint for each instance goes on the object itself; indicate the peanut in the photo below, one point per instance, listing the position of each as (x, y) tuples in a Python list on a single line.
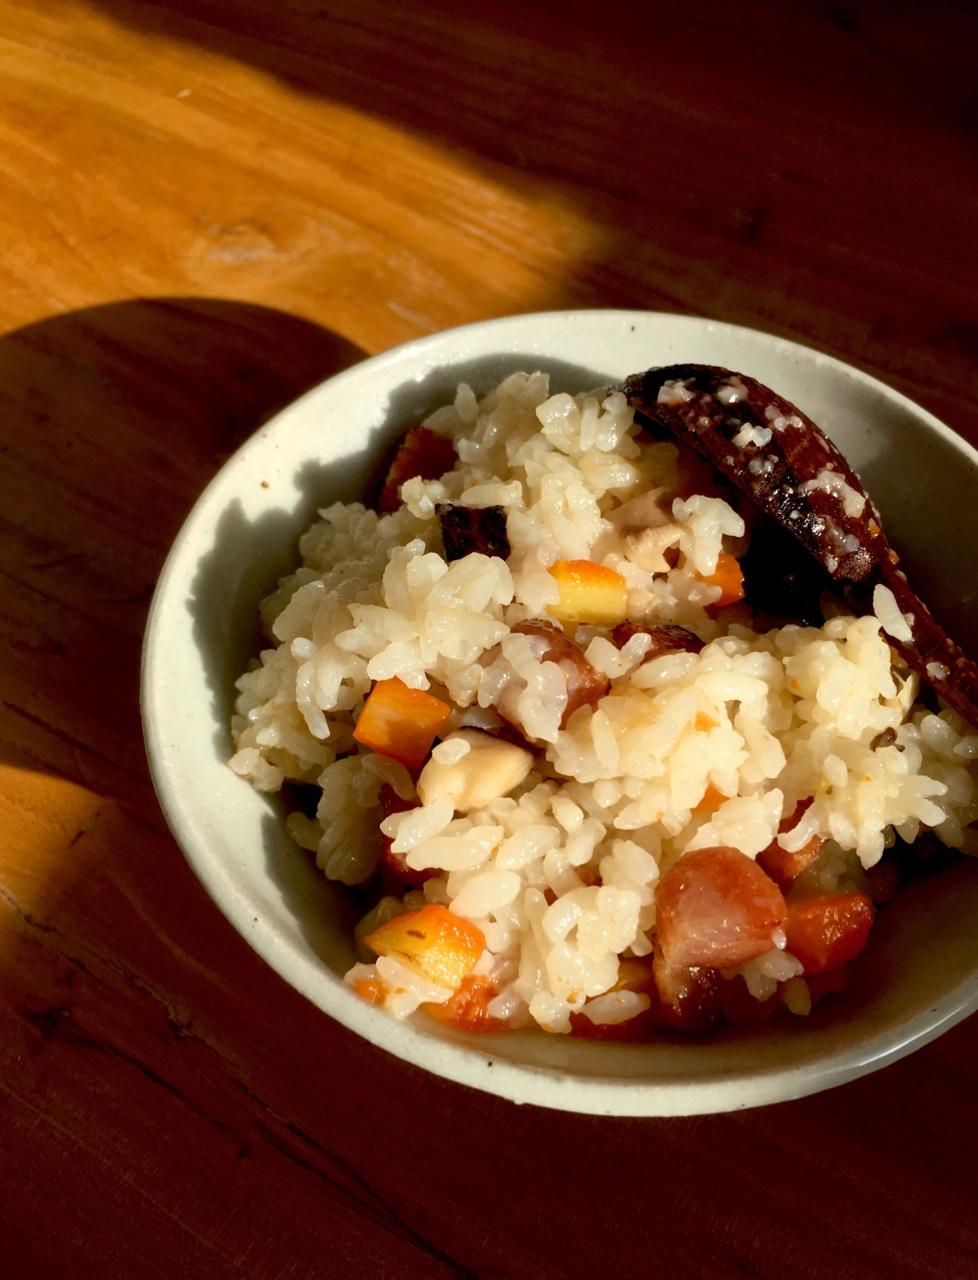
[(489, 769)]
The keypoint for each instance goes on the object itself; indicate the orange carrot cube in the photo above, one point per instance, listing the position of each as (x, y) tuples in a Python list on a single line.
[(830, 930), (440, 945), (468, 1009), (400, 722), (589, 592), (729, 577), (712, 799), (370, 989)]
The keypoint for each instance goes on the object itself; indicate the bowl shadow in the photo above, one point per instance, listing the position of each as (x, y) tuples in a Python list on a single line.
[(114, 418)]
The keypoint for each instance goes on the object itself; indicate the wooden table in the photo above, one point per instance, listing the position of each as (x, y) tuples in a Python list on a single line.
[(208, 207)]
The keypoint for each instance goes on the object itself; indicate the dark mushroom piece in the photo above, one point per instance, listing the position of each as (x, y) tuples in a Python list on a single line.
[(666, 638), (468, 529), (779, 459)]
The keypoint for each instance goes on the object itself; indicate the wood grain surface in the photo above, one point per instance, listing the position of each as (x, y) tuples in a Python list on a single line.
[(210, 205)]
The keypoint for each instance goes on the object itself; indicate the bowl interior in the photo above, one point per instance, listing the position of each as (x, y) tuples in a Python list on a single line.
[(920, 973)]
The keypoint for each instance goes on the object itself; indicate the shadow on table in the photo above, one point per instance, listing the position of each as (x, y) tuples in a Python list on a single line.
[(112, 419)]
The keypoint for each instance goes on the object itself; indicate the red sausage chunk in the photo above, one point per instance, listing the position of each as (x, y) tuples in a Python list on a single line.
[(716, 907), (584, 685)]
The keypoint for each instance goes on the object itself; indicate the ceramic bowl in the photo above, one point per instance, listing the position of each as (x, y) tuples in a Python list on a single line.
[(920, 974)]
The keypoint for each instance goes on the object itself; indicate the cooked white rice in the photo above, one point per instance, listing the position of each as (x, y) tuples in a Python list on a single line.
[(560, 875)]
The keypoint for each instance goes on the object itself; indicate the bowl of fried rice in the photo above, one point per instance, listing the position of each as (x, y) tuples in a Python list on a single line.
[(517, 740)]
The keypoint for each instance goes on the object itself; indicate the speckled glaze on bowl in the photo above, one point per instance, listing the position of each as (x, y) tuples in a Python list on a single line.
[(920, 975)]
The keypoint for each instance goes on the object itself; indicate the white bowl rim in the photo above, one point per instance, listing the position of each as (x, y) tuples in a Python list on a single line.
[(519, 1083)]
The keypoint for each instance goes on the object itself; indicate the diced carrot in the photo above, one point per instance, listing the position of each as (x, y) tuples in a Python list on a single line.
[(703, 724), (589, 592), (712, 799), (370, 989), (729, 577), (468, 1009), (423, 453), (829, 930), (439, 944), (400, 722), (784, 867), (716, 907)]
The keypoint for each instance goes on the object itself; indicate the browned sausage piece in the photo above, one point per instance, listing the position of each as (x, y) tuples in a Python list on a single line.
[(665, 639), (584, 685), (468, 529), (422, 452)]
